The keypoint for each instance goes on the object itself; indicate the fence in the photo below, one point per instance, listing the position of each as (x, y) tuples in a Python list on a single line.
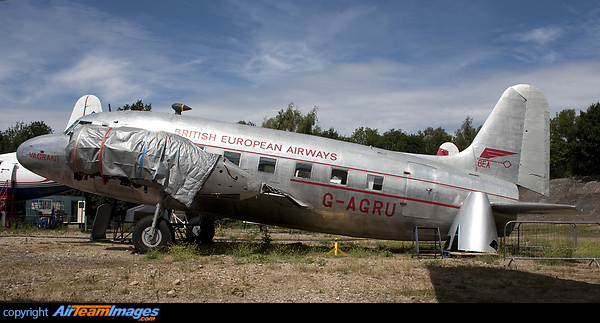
[(552, 240)]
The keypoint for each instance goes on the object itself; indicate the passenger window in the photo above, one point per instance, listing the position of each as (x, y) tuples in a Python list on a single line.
[(374, 182), (267, 165), (303, 170), (339, 176), (232, 157)]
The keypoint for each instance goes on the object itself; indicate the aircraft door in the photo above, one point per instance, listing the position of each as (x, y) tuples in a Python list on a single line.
[(421, 191)]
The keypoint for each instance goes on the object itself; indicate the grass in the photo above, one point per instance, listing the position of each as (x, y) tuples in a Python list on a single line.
[(32, 229), (249, 251), (554, 243)]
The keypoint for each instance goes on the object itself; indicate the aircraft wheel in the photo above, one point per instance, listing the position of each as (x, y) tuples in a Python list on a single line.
[(144, 240), (201, 229)]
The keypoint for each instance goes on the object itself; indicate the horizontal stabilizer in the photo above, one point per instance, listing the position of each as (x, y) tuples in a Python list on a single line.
[(533, 208)]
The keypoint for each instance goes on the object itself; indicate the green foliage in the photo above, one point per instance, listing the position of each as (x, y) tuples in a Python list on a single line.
[(137, 106), (291, 119), (248, 123), (433, 139), (575, 143), (367, 137), (563, 131), (251, 251), (19, 133), (587, 145), (464, 136)]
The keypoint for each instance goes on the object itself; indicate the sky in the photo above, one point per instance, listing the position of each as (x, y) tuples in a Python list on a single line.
[(391, 64)]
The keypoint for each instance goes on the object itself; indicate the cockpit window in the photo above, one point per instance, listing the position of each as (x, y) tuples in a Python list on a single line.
[(74, 125)]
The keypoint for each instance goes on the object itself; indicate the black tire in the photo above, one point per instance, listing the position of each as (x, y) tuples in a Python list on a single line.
[(141, 235), (200, 229)]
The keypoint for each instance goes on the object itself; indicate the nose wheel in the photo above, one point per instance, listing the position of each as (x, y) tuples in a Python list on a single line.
[(145, 237)]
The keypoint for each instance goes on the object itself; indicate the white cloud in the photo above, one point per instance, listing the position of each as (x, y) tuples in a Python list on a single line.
[(106, 76), (540, 36), (357, 70), (280, 57), (385, 94), (290, 39)]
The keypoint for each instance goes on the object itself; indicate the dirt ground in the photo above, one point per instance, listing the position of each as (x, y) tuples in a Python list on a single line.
[(64, 266)]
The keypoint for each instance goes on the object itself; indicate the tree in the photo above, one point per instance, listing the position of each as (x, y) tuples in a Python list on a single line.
[(331, 133), (19, 133), (137, 106), (587, 146), (366, 136), (248, 123), (433, 139), (398, 140), (464, 136), (563, 138), (291, 119)]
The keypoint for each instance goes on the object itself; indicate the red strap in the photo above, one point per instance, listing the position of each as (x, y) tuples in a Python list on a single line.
[(101, 147)]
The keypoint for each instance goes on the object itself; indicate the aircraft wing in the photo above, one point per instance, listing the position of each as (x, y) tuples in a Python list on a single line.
[(230, 181), (283, 198), (533, 208)]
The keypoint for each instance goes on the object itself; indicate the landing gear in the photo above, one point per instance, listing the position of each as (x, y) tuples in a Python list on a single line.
[(153, 231), (146, 237), (200, 229)]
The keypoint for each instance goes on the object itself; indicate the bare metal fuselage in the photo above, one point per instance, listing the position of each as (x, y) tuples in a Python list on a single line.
[(345, 188)]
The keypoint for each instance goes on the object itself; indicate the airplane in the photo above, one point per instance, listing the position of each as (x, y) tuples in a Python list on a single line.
[(22, 184), (293, 180)]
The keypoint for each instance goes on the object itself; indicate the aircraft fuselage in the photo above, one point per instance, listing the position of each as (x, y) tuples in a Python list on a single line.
[(349, 189)]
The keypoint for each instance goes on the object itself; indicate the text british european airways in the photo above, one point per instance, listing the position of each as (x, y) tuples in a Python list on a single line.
[(236, 142)]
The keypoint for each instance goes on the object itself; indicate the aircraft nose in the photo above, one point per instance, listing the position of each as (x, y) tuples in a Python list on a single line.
[(43, 155)]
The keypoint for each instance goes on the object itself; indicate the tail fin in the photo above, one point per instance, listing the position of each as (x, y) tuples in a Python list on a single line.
[(86, 104), (514, 142)]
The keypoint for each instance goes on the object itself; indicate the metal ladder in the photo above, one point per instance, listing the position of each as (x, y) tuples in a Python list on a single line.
[(429, 236)]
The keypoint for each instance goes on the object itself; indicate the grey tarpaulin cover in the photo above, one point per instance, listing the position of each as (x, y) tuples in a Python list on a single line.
[(152, 158)]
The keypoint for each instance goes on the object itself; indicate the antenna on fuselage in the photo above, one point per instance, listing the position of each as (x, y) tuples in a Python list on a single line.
[(180, 107)]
